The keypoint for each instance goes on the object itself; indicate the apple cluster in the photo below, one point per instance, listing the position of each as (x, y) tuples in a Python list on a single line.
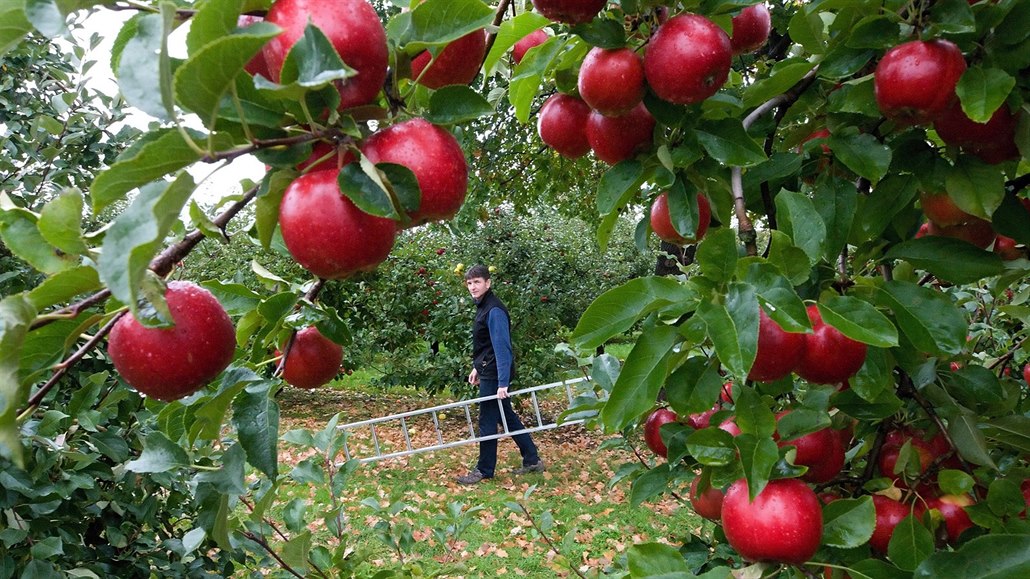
[(946, 219), (825, 356), (686, 61), (323, 229)]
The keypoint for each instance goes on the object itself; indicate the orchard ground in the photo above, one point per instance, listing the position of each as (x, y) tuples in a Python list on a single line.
[(589, 523)]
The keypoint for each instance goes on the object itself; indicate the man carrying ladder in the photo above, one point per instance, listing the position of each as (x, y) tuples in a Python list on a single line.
[(492, 369)]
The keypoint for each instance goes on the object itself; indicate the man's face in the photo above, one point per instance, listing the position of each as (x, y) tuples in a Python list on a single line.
[(477, 286)]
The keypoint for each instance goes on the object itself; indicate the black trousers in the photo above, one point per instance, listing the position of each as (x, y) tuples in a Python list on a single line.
[(489, 418)]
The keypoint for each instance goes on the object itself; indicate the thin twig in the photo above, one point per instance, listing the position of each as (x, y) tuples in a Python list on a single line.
[(547, 539), (268, 549)]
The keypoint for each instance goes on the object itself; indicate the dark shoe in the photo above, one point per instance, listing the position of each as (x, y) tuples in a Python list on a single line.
[(526, 469), (471, 478)]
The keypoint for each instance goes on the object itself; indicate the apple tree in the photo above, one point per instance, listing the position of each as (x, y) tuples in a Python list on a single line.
[(835, 343)]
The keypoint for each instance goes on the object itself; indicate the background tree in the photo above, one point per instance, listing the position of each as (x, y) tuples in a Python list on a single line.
[(819, 138)]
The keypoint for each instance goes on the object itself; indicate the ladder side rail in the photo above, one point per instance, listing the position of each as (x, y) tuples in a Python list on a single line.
[(460, 403), (504, 420), (403, 453)]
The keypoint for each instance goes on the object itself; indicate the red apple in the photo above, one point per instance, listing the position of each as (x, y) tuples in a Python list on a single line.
[(457, 63), (778, 351), (829, 357), (941, 209), (563, 124), (707, 504), (700, 420), (661, 220), (171, 363), (751, 29), (927, 450), (615, 139), (889, 513), (915, 81), (924, 230), (353, 28), (535, 38), (1026, 373), (652, 430), (952, 510), (433, 155), (256, 65), (821, 451), (313, 360), (977, 231), (688, 59), (730, 425), (569, 11), (1006, 248), (993, 141), (326, 233), (612, 81), (784, 524), (726, 393)]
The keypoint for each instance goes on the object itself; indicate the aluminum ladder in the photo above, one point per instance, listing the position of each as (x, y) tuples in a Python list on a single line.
[(405, 419)]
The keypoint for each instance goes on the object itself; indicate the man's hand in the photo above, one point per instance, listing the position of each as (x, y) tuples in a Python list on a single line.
[(474, 377), (502, 393)]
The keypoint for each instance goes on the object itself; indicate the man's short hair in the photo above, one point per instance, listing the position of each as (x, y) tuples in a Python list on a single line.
[(478, 270)]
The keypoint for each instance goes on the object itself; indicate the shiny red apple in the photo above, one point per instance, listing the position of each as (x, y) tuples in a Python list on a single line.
[(889, 513), (353, 28), (457, 63), (779, 352), (915, 81), (708, 503), (172, 363), (535, 38), (615, 139), (821, 451), (783, 525), (829, 357), (941, 209), (612, 81), (326, 233), (433, 155), (652, 430), (562, 125), (688, 59), (313, 359), (976, 231), (952, 510), (993, 141), (750, 28), (569, 11)]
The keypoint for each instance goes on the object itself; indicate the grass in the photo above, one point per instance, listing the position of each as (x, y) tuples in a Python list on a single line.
[(411, 513)]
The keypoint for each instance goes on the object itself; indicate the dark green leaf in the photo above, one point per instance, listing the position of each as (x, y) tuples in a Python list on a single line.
[(656, 560), (775, 290), (886, 404), (969, 439), (437, 22), (616, 310), (729, 143), (213, 20), (455, 104), (798, 218), (976, 187), (13, 25), (159, 455), (642, 376), (312, 64), (159, 154), (602, 32), (930, 320), (694, 386), (848, 523), (712, 447), (835, 200), (363, 185), (862, 153), (949, 259), (16, 312), (256, 417), (717, 254), (753, 416), (874, 32), (20, 233), (618, 185), (228, 479), (651, 484), (859, 320), (982, 91), (758, 455), (734, 351), (144, 68), (1012, 431), (910, 544), (785, 74), (991, 557)]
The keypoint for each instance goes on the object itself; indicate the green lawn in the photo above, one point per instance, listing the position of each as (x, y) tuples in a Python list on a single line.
[(439, 527)]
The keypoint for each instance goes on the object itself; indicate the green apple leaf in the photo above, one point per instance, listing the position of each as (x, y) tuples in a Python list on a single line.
[(642, 376), (1011, 431), (758, 456), (19, 231), (910, 544), (775, 291), (527, 76), (13, 24), (728, 142), (859, 320), (717, 254), (455, 104), (228, 479), (995, 556), (982, 91), (159, 455), (651, 484), (656, 560), (213, 20), (694, 386), (712, 447), (976, 187), (16, 313), (510, 32), (862, 153), (848, 523), (437, 22), (617, 309), (798, 218), (949, 259), (785, 74), (963, 428), (928, 317), (144, 69), (836, 200), (876, 31), (255, 414), (60, 222), (63, 286), (312, 64), (618, 185), (733, 328)]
